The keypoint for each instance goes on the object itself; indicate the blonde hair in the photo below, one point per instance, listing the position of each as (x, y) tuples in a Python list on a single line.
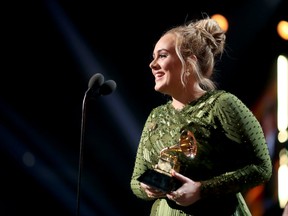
[(197, 44)]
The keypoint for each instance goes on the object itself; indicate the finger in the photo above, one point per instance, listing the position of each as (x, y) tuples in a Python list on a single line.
[(145, 186), (175, 195), (150, 195), (179, 176)]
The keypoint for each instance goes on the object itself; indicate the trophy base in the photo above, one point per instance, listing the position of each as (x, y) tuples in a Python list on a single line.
[(159, 181)]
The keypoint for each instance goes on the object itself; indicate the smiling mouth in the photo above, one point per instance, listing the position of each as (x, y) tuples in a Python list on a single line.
[(158, 76)]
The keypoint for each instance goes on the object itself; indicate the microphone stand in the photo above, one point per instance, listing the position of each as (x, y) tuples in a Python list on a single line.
[(81, 151), (96, 88)]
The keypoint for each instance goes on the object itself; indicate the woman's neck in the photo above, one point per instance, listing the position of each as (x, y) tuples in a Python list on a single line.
[(180, 102)]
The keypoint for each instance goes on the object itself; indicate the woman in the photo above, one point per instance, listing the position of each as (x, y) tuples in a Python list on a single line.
[(230, 153)]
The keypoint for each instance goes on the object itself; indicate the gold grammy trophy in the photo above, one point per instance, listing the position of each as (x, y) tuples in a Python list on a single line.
[(160, 177)]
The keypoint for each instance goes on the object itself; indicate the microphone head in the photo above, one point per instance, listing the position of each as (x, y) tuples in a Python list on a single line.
[(107, 87), (96, 81)]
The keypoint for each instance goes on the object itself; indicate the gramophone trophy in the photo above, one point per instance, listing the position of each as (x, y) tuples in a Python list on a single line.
[(160, 176)]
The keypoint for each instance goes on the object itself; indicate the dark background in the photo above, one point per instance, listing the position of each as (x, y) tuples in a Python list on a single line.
[(50, 49)]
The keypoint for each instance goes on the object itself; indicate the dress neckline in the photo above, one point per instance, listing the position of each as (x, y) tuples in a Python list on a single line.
[(192, 103)]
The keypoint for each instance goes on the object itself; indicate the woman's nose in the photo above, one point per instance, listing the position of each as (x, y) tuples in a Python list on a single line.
[(152, 64)]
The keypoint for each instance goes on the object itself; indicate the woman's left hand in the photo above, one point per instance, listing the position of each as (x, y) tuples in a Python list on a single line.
[(188, 193)]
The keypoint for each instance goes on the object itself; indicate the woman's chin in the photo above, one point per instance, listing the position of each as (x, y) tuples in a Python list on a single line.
[(160, 89), (157, 88)]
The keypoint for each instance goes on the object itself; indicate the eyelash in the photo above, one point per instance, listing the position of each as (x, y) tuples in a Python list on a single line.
[(162, 56)]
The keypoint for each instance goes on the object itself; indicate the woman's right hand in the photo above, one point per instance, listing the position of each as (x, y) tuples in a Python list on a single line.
[(152, 192)]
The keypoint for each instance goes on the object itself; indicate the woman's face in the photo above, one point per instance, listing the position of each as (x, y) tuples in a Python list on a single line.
[(166, 66)]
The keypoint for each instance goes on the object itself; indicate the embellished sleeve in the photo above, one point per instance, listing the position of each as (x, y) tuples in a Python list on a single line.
[(140, 165), (240, 125)]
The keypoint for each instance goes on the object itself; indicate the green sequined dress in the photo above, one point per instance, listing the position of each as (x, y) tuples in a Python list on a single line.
[(232, 154)]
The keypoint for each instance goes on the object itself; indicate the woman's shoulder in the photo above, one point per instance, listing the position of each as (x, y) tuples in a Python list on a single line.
[(222, 95), (224, 98)]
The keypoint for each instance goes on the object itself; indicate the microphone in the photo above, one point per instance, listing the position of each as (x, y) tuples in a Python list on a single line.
[(107, 87), (97, 86), (95, 82)]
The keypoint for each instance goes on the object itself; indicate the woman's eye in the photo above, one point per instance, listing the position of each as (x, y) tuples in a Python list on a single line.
[(162, 55)]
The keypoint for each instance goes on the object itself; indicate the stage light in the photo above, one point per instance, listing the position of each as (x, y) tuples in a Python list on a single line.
[(222, 21), (283, 178), (282, 29), (282, 98)]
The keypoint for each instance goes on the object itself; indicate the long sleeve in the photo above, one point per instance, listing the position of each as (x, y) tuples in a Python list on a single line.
[(249, 152), (141, 164)]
